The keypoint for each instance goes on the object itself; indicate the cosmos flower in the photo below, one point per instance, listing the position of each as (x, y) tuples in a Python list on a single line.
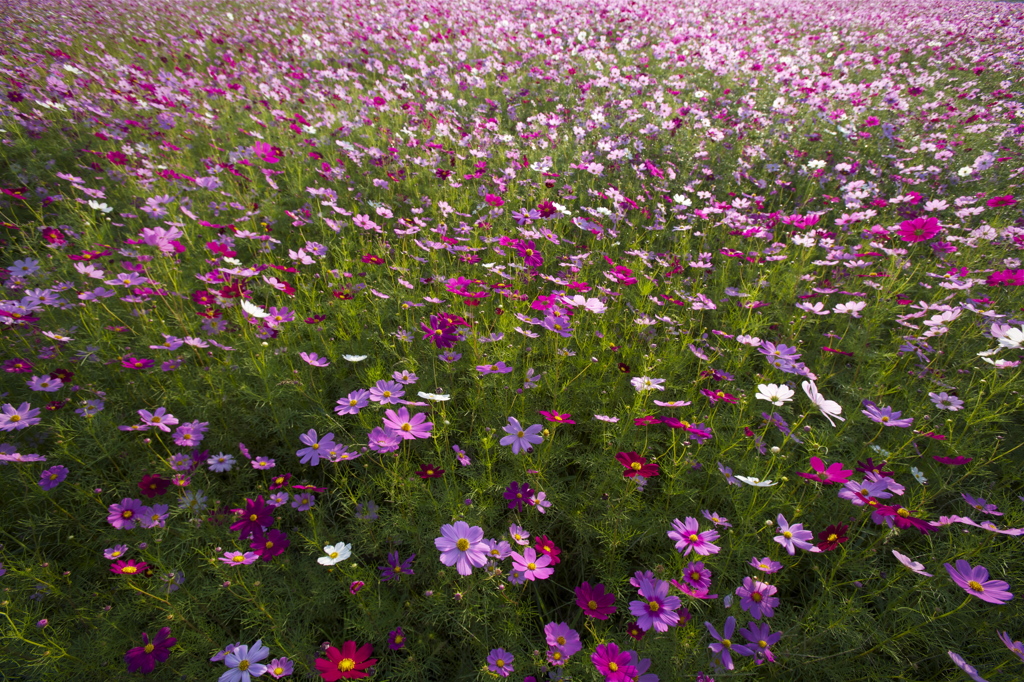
[(689, 538), (594, 601), (143, 659), (349, 662), (462, 546), (521, 438), (974, 580)]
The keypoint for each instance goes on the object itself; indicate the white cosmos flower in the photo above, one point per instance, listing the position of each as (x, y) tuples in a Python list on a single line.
[(757, 482), (254, 310), (829, 408), (434, 396), (335, 553), (354, 358), (775, 394)]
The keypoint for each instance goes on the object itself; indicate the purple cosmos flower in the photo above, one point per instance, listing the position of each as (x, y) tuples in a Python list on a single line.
[(406, 427), (124, 515), (384, 440), (689, 538), (1016, 647), (462, 546), (12, 419), (52, 477), (440, 331), (885, 415), (498, 550), (971, 671), (724, 645), (314, 359), (396, 568), (142, 659), (280, 667), (714, 518), (153, 517), (767, 564), (353, 403), (761, 637), (974, 580), (658, 609), (315, 449), (794, 537), (533, 566), (517, 494), (500, 368), (115, 552), (500, 662), (944, 401), (756, 598), (303, 501), (159, 419), (254, 519), (562, 637), (386, 392), (396, 639), (613, 663), (244, 663), (520, 438), (981, 505), (594, 601)]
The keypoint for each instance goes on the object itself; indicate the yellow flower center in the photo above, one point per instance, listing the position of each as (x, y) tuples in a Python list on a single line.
[(126, 514), (333, 555), (243, 665), (269, 545), (500, 663), (761, 643), (16, 418), (462, 545), (253, 517), (832, 537), (346, 664), (557, 656), (695, 576), (399, 639), (613, 666), (407, 427), (531, 566), (653, 605), (727, 643), (238, 558), (693, 537), (353, 403), (786, 534), (975, 585), (560, 640), (520, 434), (132, 569), (636, 465), (756, 597), (905, 513), (387, 394), (148, 648), (278, 671), (592, 605)]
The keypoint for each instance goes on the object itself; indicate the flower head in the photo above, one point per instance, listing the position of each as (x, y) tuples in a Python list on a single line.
[(689, 538), (974, 580), (335, 554), (349, 662), (794, 537), (756, 598), (500, 662), (462, 546), (521, 438), (142, 659), (244, 662), (594, 601)]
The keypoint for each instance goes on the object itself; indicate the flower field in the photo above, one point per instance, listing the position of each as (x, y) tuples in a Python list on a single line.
[(585, 340)]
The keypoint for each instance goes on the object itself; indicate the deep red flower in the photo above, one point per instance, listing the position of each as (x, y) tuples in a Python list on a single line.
[(257, 515), (634, 631), (594, 601), (903, 518), (349, 662), (429, 471), (270, 545), (995, 202), (832, 537), (152, 485), (636, 465)]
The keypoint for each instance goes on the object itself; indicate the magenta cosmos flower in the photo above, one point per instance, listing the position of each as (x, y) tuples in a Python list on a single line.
[(974, 580), (613, 662), (406, 427), (462, 546), (689, 538), (124, 514), (918, 229), (756, 598), (256, 516), (594, 601), (142, 659), (521, 438)]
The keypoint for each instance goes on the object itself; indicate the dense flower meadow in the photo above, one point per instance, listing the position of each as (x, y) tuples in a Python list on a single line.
[(585, 339)]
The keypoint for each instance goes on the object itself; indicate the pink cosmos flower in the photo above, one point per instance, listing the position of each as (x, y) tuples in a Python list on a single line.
[(314, 359), (532, 565), (918, 229), (462, 546), (406, 427), (756, 598), (689, 538), (316, 448), (161, 419)]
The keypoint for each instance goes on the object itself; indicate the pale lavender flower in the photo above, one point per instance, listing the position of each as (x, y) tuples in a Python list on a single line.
[(521, 438)]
